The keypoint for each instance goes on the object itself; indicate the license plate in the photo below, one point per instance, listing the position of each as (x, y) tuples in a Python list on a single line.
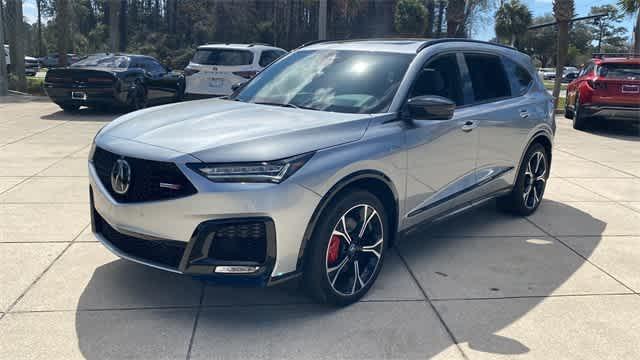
[(630, 89), (216, 83), (79, 95)]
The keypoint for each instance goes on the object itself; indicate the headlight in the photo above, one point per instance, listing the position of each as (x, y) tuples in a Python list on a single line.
[(267, 171)]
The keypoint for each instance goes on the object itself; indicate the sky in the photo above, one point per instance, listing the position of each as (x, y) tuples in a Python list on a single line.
[(486, 32), (542, 7)]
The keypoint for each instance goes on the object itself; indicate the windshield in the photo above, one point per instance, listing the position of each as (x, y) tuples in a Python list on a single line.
[(104, 61), (330, 80), (222, 57)]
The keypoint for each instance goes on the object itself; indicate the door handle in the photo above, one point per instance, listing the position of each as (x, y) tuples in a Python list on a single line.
[(524, 113), (468, 126)]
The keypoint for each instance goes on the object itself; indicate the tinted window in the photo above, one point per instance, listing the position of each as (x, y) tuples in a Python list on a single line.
[(619, 71), (488, 78), (269, 56), (520, 77), (153, 66), (330, 80), (441, 77), (223, 57), (587, 69)]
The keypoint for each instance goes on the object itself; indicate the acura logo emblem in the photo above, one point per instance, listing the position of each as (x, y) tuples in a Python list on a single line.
[(121, 176)]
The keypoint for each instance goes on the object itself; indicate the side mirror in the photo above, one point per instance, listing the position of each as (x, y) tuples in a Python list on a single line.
[(238, 85), (430, 107)]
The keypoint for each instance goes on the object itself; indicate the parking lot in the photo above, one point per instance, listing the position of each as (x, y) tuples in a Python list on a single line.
[(561, 284)]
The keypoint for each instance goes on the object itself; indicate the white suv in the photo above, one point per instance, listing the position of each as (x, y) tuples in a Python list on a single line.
[(215, 68)]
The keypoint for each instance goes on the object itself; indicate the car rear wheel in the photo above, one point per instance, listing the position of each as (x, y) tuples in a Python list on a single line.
[(526, 195), (137, 98), (579, 122), (347, 249)]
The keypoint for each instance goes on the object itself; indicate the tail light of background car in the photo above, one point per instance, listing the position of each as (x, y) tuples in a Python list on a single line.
[(594, 84), (245, 74), (189, 71)]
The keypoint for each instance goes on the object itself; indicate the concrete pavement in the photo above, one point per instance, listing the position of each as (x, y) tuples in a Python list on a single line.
[(561, 284)]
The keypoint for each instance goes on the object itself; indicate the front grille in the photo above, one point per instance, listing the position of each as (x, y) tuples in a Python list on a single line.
[(146, 178), (161, 252)]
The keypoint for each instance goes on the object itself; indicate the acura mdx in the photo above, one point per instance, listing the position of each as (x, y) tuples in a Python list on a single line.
[(315, 166)]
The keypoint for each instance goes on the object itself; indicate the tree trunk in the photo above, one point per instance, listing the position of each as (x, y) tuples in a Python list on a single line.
[(431, 9), (122, 26), (17, 42), (636, 43), (113, 25), (438, 30), (40, 42), (62, 23), (563, 44), (4, 79)]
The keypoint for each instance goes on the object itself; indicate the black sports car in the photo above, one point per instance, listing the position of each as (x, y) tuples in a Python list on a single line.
[(104, 80)]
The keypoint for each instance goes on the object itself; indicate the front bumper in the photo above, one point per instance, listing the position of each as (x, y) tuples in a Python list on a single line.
[(617, 112), (181, 226)]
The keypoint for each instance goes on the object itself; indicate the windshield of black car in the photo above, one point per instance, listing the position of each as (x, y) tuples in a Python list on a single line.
[(222, 57), (330, 80), (121, 62)]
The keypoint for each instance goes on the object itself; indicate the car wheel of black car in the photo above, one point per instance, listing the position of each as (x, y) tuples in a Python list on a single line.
[(346, 249), (526, 195), (137, 98), (579, 122), (180, 92), (69, 107)]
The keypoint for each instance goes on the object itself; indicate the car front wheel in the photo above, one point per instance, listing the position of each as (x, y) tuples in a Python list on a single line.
[(347, 249)]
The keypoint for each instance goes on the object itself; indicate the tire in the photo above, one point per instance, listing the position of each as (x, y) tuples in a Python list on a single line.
[(69, 107), (332, 259), (527, 193), (137, 98), (568, 113), (579, 122)]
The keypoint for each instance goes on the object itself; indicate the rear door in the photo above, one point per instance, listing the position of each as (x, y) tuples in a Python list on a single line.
[(617, 84), (505, 114), (215, 70)]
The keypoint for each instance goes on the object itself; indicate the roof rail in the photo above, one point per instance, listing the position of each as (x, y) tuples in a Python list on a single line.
[(445, 40), (361, 39), (624, 55), (254, 44)]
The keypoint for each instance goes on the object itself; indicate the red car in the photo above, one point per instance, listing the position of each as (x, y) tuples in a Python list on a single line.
[(606, 88)]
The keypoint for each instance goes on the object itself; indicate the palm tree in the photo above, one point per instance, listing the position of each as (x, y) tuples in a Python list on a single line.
[(512, 20), (563, 12), (630, 7)]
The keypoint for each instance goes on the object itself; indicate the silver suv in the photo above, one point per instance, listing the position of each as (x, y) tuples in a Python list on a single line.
[(316, 166)]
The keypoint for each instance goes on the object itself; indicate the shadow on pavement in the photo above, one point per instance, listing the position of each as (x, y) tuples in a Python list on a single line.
[(254, 322), (84, 114)]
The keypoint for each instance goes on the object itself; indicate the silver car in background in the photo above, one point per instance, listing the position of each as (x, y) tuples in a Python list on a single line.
[(318, 164)]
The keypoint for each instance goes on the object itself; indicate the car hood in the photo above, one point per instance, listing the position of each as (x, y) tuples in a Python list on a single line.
[(223, 131)]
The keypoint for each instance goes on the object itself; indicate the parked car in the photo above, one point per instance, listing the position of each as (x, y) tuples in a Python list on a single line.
[(122, 80), (606, 88), (569, 77), (547, 73), (316, 165), (31, 65), (51, 60), (215, 68)]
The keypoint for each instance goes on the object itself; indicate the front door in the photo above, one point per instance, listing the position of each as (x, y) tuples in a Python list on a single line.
[(441, 153)]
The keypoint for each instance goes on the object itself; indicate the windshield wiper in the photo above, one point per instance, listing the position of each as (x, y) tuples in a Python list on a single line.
[(289, 105), (277, 104)]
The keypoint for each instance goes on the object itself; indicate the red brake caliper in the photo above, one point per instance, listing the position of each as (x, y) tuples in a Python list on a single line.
[(334, 250)]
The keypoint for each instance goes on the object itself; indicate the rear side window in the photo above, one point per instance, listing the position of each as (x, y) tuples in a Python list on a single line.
[(520, 77), (269, 56), (223, 57), (619, 71), (488, 77)]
